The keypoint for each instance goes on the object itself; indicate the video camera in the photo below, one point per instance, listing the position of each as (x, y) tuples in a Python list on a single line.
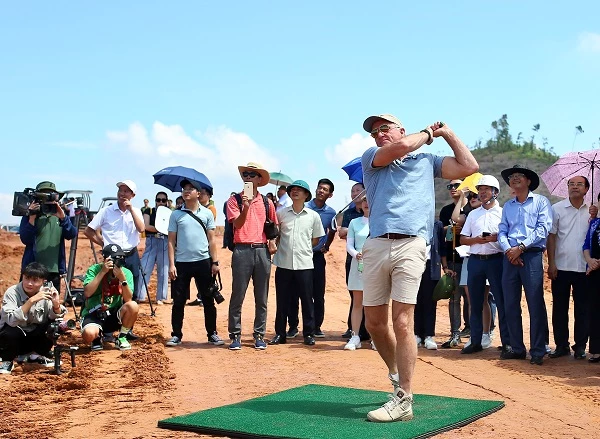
[(58, 328), (22, 200)]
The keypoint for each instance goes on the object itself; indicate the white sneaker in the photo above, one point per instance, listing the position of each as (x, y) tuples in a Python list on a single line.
[(486, 341), (467, 343), (174, 341), (419, 341), (353, 343), (430, 343), (398, 408), (373, 345)]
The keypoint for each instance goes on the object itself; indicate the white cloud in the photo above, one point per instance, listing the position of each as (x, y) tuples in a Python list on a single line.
[(348, 149), (589, 42)]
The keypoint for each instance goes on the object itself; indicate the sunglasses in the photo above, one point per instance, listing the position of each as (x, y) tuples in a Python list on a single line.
[(249, 174), (161, 200), (516, 175), (473, 197), (452, 186), (383, 129)]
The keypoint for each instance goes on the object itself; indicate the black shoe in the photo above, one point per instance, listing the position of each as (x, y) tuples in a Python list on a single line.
[(131, 336), (537, 360), (509, 354), (579, 354), (319, 333), (309, 340), (278, 339), (560, 352), (471, 349), (364, 337), (466, 331), (594, 359), (347, 334), (292, 333), (195, 302)]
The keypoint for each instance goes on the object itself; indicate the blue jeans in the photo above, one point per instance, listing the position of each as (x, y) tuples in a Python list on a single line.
[(480, 270), (156, 253), (529, 277)]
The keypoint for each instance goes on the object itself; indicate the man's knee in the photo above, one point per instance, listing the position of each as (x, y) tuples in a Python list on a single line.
[(90, 333), (376, 319)]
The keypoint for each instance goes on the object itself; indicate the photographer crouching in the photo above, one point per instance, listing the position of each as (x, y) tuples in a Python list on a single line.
[(28, 308), (44, 229), (109, 304)]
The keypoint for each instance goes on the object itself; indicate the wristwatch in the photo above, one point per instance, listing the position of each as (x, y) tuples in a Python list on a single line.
[(124, 283), (215, 263)]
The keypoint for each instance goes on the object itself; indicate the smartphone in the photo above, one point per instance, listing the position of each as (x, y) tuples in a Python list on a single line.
[(484, 234), (249, 189)]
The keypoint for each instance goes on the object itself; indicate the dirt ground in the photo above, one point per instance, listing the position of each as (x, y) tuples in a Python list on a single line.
[(124, 394)]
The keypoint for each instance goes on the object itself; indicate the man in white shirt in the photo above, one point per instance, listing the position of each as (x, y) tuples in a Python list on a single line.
[(120, 224), (480, 231), (566, 267), (283, 199)]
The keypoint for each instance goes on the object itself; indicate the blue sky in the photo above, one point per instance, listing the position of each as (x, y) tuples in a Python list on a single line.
[(94, 93)]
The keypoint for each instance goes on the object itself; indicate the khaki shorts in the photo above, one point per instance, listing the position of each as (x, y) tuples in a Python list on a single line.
[(393, 268)]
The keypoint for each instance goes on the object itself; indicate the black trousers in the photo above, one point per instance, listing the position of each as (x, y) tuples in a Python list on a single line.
[(180, 293), (362, 332), (593, 287), (425, 309), (318, 293), (289, 285), (561, 295), (13, 341), (132, 263)]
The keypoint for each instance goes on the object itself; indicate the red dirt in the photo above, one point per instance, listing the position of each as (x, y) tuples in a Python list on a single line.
[(124, 394)]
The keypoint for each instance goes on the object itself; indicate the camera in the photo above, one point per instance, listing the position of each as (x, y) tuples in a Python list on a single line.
[(22, 200), (214, 289), (119, 261), (58, 328)]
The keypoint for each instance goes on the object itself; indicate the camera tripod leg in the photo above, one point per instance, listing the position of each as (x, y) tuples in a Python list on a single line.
[(57, 351), (68, 293), (152, 312)]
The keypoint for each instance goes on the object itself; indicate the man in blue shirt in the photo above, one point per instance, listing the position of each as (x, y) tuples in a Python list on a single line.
[(323, 192), (522, 233), (400, 190)]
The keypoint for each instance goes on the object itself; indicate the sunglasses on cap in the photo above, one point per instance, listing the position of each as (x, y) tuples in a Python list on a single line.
[(249, 174), (161, 200), (452, 186), (383, 128)]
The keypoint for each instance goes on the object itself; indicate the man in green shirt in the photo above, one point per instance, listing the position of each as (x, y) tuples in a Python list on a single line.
[(108, 300)]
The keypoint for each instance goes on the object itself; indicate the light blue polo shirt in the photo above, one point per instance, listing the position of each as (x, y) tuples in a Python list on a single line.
[(192, 242), (401, 195)]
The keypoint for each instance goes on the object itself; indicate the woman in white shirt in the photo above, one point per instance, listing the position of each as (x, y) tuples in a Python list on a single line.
[(358, 231)]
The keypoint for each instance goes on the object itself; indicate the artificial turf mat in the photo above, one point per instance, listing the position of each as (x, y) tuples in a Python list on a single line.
[(326, 412)]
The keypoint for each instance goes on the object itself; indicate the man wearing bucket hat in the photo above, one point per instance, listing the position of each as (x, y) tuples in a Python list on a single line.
[(44, 236), (300, 231), (480, 231), (400, 189), (522, 234), (121, 223), (251, 257)]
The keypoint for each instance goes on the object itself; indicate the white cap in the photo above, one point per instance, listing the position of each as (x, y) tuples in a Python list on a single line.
[(488, 180), (130, 184)]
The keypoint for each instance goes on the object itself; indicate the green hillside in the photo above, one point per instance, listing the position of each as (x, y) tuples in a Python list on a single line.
[(501, 152)]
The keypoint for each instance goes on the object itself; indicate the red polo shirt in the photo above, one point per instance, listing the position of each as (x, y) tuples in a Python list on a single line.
[(252, 230)]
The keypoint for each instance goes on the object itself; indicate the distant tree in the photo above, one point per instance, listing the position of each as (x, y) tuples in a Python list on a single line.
[(578, 131)]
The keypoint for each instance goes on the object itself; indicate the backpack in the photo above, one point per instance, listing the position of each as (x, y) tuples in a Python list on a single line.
[(229, 230)]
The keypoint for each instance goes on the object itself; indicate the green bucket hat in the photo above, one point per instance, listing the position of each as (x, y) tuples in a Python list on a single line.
[(301, 184), (49, 187)]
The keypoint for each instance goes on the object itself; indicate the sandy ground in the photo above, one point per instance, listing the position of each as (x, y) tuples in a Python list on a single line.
[(124, 394)]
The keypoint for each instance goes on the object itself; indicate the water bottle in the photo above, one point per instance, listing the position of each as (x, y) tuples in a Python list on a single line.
[(360, 266)]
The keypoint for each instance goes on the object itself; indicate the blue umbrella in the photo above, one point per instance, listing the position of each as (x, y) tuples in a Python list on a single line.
[(354, 170), (171, 178)]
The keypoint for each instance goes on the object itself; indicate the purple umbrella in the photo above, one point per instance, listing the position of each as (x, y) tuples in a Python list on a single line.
[(572, 164)]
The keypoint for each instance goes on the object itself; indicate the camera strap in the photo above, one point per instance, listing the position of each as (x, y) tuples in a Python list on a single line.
[(203, 226)]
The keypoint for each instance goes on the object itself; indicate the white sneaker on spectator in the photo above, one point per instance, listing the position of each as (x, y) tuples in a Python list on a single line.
[(353, 343), (398, 408), (419, 341), (430, 343), (486, 341), (373, 345)]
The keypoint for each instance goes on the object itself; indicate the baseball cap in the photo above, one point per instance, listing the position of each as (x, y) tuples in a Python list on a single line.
[(130, 184), (369, 121), (112, 250)]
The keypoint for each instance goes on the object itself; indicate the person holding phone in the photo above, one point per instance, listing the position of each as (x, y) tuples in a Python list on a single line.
[(28, 308), (252, 252)]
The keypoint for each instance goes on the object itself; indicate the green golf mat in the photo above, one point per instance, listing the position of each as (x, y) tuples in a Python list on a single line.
[(315, 412)]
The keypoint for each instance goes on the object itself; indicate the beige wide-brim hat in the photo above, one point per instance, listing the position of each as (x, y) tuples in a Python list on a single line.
[(253, 166), (369, 121)]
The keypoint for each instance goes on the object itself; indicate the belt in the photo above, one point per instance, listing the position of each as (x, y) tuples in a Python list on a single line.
[(156, 235), (130, 252), (395, 236), (485, 257), (257, 245), (535, 250)]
